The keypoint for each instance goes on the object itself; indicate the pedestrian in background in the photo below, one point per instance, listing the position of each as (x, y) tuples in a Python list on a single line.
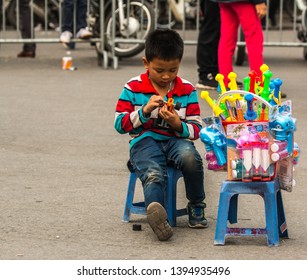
[(207, 45), (68, 21), (27, 32), (248, 14)]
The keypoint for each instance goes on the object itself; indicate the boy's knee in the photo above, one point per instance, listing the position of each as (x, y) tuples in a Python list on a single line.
[(191, 158)]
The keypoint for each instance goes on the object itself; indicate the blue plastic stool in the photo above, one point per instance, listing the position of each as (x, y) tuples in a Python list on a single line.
[(276, 225), (170, 198)]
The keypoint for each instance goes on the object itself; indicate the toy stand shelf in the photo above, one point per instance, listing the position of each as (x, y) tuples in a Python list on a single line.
[(276, 225)]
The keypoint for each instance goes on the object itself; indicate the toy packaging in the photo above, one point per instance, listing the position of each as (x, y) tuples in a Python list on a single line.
[(251, 132)]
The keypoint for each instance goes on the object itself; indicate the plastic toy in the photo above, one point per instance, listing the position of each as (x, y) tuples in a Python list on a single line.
[(282, 128), (263, 68), (215, 141), (257, 139), (220, 79), (275, 98), (250, 113), (265, 93), (252, 83), (240, 116), (216, 109), (296, 153), (233, 83)]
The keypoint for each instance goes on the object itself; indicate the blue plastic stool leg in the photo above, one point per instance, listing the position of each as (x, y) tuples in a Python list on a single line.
[(282, 224), (222, 218), (170, 198), (270, 202), (130, 207)]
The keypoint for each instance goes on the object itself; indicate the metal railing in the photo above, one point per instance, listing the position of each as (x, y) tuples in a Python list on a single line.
[(46, 21)]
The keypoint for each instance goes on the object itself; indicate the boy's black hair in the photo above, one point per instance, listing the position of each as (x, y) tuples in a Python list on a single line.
[(164, 44)]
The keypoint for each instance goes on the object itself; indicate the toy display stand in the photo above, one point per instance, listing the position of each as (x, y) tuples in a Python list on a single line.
[(253, 162), (251, 138)]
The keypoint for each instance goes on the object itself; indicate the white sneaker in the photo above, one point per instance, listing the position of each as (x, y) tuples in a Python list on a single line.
[(66, 37), (84, 34)]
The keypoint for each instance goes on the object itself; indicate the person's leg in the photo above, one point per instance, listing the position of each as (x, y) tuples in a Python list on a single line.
[(81, 14), (253, 34), (149, 163), (184, 156), (208, 38), (273, 7), (25, 25), (228, 39), (67, 15)]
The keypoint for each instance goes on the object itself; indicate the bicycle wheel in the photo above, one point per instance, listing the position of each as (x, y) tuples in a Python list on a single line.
[(137, 25)]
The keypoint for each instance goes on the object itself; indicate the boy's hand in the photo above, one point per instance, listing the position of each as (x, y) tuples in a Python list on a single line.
[(171, 117), (154, 102)]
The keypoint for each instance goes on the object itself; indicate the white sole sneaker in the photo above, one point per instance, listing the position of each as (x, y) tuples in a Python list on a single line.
[(84, 34), (157, 219)]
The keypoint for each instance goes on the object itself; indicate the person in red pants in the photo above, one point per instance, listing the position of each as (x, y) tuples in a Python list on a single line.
[(248, 14)]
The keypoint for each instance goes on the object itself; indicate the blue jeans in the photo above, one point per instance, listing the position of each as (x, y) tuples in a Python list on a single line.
[(68, 15), (150, 159)]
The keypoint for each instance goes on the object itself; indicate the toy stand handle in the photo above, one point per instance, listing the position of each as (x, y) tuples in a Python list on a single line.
[(242, 92)]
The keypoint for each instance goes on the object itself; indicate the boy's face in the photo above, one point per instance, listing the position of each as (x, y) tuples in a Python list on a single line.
[(162, 72)]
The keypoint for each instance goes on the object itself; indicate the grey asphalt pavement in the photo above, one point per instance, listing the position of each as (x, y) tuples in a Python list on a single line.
[(63, 175)]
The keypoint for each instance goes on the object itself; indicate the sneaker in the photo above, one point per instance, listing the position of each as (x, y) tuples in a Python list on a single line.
[(208, 82), (84, 34), (197, 217), (157, 219), (66, 37)]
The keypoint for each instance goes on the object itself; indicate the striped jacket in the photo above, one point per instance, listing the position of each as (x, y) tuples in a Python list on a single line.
[(136, 93)]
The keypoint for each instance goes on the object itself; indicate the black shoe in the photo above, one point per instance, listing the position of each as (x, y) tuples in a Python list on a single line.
[(197, 217), (207, 82), (26, 54)]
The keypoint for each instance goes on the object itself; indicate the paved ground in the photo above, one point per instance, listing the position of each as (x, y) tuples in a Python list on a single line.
[(63, 175)]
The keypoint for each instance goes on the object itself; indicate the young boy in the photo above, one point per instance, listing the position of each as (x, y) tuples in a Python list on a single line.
[(161, 135)]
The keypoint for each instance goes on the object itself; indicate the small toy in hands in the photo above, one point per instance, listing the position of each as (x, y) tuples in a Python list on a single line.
[(160, 122)]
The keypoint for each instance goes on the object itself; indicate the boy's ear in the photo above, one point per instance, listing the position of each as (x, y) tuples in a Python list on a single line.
[(145, 62)]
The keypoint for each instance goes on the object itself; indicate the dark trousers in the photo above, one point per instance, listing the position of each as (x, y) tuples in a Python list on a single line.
[(208, 40), (68, 15), (25, 24)]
